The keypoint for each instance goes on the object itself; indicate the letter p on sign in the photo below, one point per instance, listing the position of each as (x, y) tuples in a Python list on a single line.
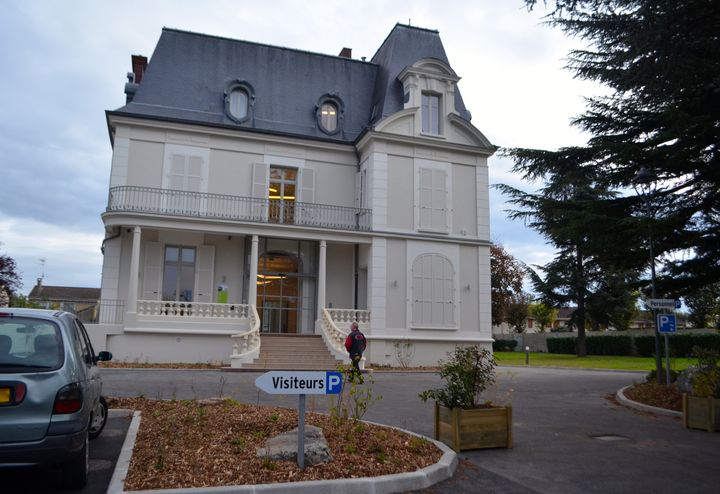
[(334, 383)]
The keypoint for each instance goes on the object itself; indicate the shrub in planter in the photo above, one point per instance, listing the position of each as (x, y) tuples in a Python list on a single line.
[(701, 408), (461, 420)]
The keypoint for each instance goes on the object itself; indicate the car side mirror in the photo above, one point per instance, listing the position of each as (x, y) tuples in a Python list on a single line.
[(104, 356)]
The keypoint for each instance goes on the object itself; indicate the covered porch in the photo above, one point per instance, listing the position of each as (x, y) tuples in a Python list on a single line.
[(195, 286)]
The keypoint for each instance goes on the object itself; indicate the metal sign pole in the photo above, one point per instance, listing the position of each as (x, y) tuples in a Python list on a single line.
[(667, 360), (301, 432)]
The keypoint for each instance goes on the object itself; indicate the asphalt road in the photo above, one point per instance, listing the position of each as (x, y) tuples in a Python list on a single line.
[(104, 452), (568, 435)]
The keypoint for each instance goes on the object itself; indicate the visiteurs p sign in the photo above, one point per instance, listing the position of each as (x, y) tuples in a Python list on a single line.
[(300, 383)]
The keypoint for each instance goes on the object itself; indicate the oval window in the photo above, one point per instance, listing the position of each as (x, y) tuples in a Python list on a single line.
[(329, 116), (238, 104)]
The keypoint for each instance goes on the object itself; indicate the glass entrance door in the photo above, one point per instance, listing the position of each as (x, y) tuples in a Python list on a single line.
[(286, 286)]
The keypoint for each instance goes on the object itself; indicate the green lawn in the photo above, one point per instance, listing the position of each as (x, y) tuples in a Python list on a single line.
[(589, 362)]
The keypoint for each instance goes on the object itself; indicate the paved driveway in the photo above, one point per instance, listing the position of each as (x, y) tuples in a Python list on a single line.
[(104, 452), (558, 415)]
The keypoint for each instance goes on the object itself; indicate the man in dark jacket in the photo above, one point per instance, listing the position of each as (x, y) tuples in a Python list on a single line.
[(355, 344)]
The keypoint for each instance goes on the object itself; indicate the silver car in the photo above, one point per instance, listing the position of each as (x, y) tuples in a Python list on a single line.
[(50, 392)]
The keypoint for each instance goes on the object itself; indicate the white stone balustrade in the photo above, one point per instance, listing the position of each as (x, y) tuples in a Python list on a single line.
[(197, 310), (334, 335), (246, 346)]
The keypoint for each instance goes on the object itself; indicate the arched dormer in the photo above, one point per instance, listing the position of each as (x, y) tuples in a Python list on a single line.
[(429, 87)]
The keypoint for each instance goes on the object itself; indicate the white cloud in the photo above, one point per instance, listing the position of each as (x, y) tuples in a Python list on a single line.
[(71, 258)]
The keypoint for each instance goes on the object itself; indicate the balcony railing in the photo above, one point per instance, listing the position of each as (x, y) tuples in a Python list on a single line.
[(226, 207)]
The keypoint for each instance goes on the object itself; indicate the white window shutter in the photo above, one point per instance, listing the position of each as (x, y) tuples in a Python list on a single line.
[(204, 271), (194, 177), (358, 190), (260, 191), (425, 198), (307, 185), (175, 178), (152, 271), (433, 298), (260, 181)]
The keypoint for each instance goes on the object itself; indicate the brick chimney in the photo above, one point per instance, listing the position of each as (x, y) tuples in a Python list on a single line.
[(346, 53), (139, 64)]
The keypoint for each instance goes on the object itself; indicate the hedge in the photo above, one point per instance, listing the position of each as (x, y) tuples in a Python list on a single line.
[(561, 345), (609, 345), (681, 345), (504, 345)]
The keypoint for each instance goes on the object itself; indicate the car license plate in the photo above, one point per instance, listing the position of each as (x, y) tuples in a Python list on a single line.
[(4, 395)]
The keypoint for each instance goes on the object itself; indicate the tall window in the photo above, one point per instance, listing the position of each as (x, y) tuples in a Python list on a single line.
[(430, 113), (282, 190), (433, 291), (179, 274)]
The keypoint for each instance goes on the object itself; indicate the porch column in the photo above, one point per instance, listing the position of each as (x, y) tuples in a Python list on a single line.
[(134, 270), (252, 284), (321, 278)]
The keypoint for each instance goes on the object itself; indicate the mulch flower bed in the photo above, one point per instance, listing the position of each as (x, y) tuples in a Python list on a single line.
[(214, 442), (657, 395)]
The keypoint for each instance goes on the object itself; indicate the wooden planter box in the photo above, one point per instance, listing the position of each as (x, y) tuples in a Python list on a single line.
[(475, 428), (701, 413)]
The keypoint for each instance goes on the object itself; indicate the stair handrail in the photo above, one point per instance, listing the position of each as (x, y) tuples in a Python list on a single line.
[(247, 345), (334, 337)]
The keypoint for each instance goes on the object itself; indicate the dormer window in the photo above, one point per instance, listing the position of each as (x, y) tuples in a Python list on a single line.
[(329, 114), (238, 104), (430, 113), (429, 87), (239, 99)]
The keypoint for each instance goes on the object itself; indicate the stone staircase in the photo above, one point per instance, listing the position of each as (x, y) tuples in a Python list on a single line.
[(292, 352)]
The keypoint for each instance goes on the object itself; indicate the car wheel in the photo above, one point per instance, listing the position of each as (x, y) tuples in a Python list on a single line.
[(98, 419), (75, 471)]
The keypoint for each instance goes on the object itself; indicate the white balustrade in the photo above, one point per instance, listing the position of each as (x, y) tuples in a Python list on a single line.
[(129, 198), (362, 317), (246, 346), (195, 310), (334, 336)]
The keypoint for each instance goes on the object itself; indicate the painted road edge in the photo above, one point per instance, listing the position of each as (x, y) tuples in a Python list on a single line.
[(123, 463), (385, 484), (645, 408)]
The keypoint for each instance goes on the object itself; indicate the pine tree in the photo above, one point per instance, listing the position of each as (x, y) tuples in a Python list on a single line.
[(660, 61), (575, 212)]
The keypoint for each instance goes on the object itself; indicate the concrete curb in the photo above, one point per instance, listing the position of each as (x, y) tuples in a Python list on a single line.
[(385, 484), (645, 408), (117, 482)]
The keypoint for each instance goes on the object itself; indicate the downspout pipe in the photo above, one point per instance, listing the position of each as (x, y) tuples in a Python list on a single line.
[(102, 247)]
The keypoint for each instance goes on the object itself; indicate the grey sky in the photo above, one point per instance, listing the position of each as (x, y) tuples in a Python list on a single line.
[(65, 64)]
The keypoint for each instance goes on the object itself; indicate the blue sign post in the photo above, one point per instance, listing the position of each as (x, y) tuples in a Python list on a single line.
[(301, 383), (667, 325)]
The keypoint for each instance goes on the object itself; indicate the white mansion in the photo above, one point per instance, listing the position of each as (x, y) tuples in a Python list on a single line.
[(258, 190)]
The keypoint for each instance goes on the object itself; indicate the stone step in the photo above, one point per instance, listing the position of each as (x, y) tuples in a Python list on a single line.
[(293, 352)]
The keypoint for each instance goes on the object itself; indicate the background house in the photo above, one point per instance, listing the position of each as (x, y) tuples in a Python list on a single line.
[(258, 190), (78, 300)]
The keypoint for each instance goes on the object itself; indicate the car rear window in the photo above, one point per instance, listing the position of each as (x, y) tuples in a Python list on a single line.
[(28, 344)]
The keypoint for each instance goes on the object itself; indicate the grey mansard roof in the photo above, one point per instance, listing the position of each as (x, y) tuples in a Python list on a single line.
[(188, 73)]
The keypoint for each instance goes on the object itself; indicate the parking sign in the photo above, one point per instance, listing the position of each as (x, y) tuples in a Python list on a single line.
[(666, 323)]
